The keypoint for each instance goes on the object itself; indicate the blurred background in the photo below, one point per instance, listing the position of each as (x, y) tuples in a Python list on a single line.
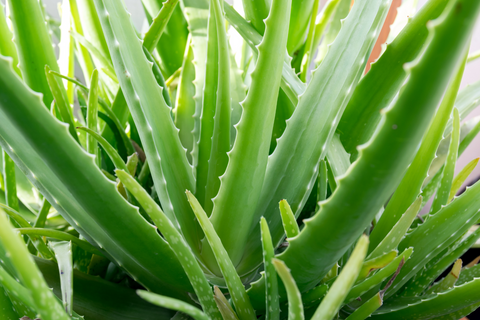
[(472, 72)]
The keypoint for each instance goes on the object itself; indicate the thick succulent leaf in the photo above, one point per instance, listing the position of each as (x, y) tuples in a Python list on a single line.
[(288, 219), (111, 151), (295, 305), (37, 242), (61, 102), (233, 212), (376, 263), (235, 287), (7, 311), (174, 304), (291, 84), (299, 21), (439, 264), (272, 302), (173, 42), (218, 160), (92, 116), (46, 304), (391, 149), (340, 13), (378, 278), (342, 285), (315, 33), (66, 48), (67, 176), (366, 309), (224, 306), (362, 113), (196, 14), (310, 129), (185, 103), (33, 44), (256, 12), (60, 235), (448, 281), (158, 25), (443, 192), (81, 53), (429, 307), (177, 242), (10, 182), (98, 299), (7, 47), (63, 253), (441, 229), (461, 177), (393, 238), (411, 183), (152, 116)]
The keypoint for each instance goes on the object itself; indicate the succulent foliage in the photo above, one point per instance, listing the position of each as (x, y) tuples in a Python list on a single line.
[(237, 162)]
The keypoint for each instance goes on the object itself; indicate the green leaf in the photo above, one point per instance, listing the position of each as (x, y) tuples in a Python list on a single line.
[(366, 309), (392, 150), (208, 111), (429, 307), (82, 54), (299, 21), (443, 192), (295, 306), (7, 47), (156, 29), (61, 102), (233, 212), (416, 174), (7, 311), (38, 242), (441, 229), (63, 253), (461, 177), (224, 306), (376, 263), (218, 160), (340, 13), (98, 299), (46, 304), (10, 182), (66, 53), (92, 117), (362, 114), (291, 84), (438, 264), (105, 64), (288, 219), (67, 176), (449, 280), (235, 287), (177, 242), (151, 115), (173, 304), (393, 238), (196, 14), (34, 45), (111, 151), (185, 103), (322, 181), (315, 32), (272, 302), (342, 285), (60, 235)]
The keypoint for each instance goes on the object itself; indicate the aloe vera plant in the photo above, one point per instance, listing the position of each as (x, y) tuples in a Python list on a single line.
[(180, 174)]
